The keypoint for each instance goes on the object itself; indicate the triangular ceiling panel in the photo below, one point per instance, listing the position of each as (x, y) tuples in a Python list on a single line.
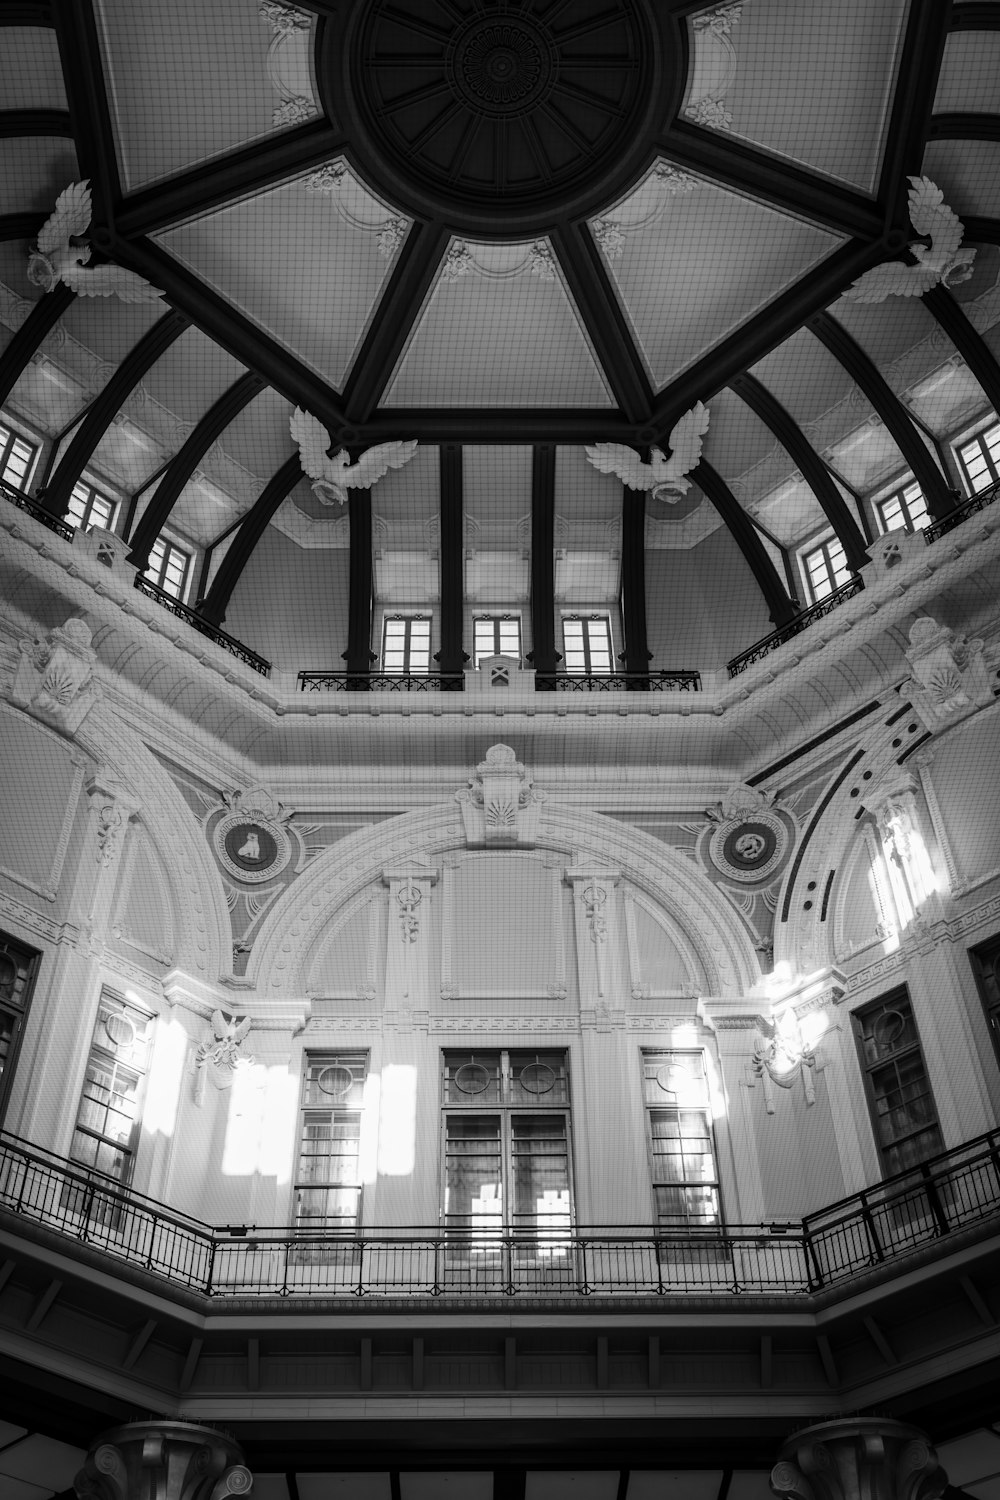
[(305, 260), (692, 261), (790, 78), (188, 81), (498, 329)]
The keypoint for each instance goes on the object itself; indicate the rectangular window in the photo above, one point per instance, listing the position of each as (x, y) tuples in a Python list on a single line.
[(681, 1144), (18, 967), (107, 1123), (507, 1149), (496, 635), (168, 567), (899, 1093), (406, 644), (825, 569), (905, 509), (985, 961), (88, 507), (587, 647), (327, 1193), (980, 459), (16, 457)]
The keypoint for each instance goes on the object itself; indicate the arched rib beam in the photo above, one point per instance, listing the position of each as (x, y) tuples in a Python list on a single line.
[(804, 456), (913, 100), (715, 489), (967, 340), (598, 307), (21, 226), (133, 367), (975, 16), (848, 353), (965, 125), (29, 338), (186, 460), (14, 122), (215, 603)]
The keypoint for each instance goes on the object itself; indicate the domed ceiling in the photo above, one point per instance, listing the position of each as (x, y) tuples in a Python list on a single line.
[(511, 227)]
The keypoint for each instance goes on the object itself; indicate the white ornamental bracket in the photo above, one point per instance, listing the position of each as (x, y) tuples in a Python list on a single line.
[(55, 677), (500, 807), (110, 811), (598, 945), (950, 676), (407, 976)]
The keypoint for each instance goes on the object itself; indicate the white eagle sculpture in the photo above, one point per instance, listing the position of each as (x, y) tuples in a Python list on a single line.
[(662, 476), (942, 262), (333, 477), (54, 258)]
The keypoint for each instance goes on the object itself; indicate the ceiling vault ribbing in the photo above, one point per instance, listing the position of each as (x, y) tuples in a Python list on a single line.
[(37, 122), (967, 340), (781, 607), (251, 528), (909, 119), (29, 338)]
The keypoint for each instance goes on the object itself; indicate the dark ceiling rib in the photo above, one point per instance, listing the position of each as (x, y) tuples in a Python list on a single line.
[(186, 460), (637, 655), (769, 409), (26, 13), (909, 121), (977, 16), (967, 340), (34, 122), (980, 230), (20, 226), (103, 408), (544, 656), (231, 329), (782, 184), (864, 372), (964, 125), (29, 338), (218, 182), (598, 307), (215, 603), (451, 559), (488, 425), (397, 311), (715, 489), (83, 77), (763, 332)]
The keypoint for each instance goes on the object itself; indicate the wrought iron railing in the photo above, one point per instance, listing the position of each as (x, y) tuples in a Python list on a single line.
[(953, 1191), (617, 682), (381, 682), (962, 513), (24, 502), (796, 625), (185, 612)]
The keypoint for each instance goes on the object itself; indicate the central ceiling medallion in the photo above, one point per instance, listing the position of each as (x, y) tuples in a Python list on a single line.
[(499, 119)]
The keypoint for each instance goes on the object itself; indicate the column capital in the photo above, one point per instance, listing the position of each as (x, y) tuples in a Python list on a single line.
[(168, 1460), (858, 1458)]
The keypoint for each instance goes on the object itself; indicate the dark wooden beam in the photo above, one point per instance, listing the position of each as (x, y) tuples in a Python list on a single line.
[(636, 656), (226, 178), (358, 655), (451, 553), (234, 332), (29, 338), (14, 122), (763, 332), (975, 16), (848, 353), (782, 424), (525, 426), (601, 314), (21, 226), (780, 607), (141, 358), (964, 125), (186, 460), (909, 120), (83, 76), (981, 230), (544, 656), (397, 311), (26, 13), (967, 340), (215, 603), (781, 184)]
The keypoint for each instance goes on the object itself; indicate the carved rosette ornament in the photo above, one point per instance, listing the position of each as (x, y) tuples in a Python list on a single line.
[(950, 677), (163, 1461), (751, 839), (54, 679), (500, 805), (858, 1458)]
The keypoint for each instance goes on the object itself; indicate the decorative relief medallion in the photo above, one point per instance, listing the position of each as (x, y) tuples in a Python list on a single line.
[(750, 840), (252, 841)]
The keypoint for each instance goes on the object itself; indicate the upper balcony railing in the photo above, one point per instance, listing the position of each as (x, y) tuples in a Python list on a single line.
[(24, 502), (961, 513), (544, 682), (185, 612), (796, 625), (881, 1226)]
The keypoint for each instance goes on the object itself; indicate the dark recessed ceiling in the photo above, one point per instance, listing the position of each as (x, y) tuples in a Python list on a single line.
[(498, 120)]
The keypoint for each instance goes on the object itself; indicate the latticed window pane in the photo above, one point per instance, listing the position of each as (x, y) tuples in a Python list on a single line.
[(986, 966), (587, 644), (406, 644), (16, 456), (496, 635), (904, 510), (328, 1171), (168, 567), (682, 1149), (826, 569), (980, 459), (108, 1116), (18, 966), (88, 507), (899, 1092)]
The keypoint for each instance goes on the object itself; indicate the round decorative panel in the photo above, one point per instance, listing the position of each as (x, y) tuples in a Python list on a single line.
[(336, 1081), (497, 118), (749, 848), (251, 849), (536, 1078), (473, 1078)]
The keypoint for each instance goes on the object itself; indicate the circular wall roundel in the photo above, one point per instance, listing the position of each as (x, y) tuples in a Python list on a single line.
[(497, 118)]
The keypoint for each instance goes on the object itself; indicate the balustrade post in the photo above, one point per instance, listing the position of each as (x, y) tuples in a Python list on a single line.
[(934, 1200), (858, 1458), (168, 1460)]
